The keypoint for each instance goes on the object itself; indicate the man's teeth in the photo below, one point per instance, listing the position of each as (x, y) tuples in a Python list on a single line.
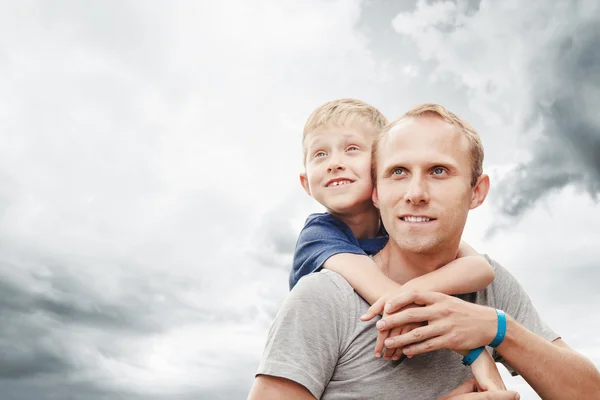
[(416, 219), (339, 183)]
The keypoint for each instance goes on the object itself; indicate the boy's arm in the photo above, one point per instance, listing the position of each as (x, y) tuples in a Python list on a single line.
[(470, 272), (362, 274)]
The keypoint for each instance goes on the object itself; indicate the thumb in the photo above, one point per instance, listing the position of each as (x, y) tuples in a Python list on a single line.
[(375, 309)]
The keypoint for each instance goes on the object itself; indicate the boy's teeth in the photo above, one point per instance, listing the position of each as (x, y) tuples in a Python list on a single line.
[(417, 219), (338, 183)]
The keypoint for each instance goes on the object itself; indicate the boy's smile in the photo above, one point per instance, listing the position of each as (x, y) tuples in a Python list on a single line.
[(338, 182)]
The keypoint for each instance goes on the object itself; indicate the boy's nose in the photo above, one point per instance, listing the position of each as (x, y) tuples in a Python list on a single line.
[(335, 166)]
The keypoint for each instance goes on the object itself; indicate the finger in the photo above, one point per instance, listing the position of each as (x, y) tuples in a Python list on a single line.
[(502, 395), (467, 387), (404, 330), (411, 296), (374, 310), (415, 336), (381, 336), (389, 352), (410, 315), (397, 354), (426, 346)]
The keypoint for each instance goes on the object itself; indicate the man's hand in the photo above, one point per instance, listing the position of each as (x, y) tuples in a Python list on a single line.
[(468, 391), (451, 323)]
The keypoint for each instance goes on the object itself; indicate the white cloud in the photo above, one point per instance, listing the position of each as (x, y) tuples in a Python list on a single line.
[(143, 144), (150, 154)]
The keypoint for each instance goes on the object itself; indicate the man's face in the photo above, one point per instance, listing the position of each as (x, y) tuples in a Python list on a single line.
[(338, 168), (424, 184)]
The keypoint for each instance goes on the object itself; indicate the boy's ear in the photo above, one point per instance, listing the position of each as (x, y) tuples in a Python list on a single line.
[(375, 198), (304, 183), (480, 191)]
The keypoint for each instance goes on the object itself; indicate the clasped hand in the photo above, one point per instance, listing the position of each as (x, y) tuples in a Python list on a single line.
[(416, 322)]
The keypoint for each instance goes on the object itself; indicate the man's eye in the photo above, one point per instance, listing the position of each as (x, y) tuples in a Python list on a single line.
[(397, 171), (439, 170), (352, 148)]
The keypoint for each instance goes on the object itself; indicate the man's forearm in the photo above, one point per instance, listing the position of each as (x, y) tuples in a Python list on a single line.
[(553, 370)]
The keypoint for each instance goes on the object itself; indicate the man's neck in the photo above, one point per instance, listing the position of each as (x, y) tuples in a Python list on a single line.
[(363, 224), (402, 266)]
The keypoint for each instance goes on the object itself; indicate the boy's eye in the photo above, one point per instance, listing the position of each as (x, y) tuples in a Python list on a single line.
[(439, 170), (320, 154), (397, 171), (352, 148)]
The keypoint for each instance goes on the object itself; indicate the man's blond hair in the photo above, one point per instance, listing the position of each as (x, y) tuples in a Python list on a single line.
[(430, 109), (343, 112)]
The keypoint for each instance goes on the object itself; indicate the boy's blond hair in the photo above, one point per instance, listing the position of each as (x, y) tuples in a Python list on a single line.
[(342, 112), (476, 147)]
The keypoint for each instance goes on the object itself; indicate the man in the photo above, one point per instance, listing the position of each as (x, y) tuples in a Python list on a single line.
[(427, 170)]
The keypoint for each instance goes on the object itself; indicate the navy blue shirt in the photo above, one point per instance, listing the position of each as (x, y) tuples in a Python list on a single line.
[(323, 236)]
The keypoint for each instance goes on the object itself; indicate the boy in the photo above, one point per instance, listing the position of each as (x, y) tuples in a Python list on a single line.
[(336, 144)]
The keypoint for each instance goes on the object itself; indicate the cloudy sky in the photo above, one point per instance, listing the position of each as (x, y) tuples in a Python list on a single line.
[(149, 160)]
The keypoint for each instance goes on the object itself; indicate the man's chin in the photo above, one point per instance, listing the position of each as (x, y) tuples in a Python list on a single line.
[(419, 247)]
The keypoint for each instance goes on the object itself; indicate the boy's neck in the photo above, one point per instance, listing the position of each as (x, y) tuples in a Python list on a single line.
[(364, 224), (402, 266)]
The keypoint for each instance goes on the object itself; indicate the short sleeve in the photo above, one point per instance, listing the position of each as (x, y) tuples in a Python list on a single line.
[(509, 296), (323, 236), (309, 333)]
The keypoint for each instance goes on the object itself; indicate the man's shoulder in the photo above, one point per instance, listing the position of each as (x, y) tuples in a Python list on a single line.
[(501, 275), (504, 288), (324, 282), (326, 290)]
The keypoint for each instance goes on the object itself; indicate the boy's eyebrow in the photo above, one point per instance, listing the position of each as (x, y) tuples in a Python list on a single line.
[(346, 136)]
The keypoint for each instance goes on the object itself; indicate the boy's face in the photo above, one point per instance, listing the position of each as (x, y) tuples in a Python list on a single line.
[(338, 168)]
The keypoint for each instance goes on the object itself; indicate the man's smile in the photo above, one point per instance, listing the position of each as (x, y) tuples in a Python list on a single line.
[(419, 219)]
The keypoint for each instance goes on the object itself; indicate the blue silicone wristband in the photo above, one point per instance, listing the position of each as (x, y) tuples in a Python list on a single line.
[(472, 356), (501, 333)]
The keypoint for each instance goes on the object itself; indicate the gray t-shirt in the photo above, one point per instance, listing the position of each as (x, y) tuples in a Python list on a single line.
[(318, 341)]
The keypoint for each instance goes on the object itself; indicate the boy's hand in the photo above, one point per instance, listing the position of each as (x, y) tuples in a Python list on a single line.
[(395, 353), (378, 308), (469, 390)]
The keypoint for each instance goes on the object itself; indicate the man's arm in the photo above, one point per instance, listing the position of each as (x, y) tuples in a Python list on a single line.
[(267, 387), (304, 343), (553, 369), (530, 348)]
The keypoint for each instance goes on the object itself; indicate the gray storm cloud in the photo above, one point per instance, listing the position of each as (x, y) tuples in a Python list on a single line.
[(565, 101)]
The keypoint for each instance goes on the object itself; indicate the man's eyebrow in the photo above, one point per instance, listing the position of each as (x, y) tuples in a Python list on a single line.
[(387, 170)]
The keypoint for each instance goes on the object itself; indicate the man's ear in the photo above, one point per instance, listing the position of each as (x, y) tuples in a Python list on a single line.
[(375, 197), (304, 183), (480, 191)]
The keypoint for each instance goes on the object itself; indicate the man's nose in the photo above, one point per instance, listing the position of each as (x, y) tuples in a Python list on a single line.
[(417, 192)]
